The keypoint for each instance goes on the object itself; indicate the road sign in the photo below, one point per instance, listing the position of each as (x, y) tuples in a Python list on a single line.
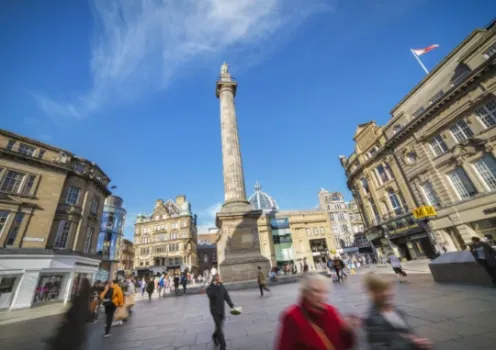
[(424, 212)]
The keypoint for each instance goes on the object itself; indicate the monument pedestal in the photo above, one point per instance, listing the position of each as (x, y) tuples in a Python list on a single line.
[(238, 247)]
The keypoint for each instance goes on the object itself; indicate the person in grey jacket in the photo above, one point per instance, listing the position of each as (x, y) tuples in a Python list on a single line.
[(218, 295), (386, 325)]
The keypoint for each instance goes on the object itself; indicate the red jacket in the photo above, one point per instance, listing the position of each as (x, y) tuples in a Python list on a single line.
[(296, 332)]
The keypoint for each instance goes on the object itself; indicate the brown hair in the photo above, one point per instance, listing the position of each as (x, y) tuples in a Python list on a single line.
[(375, 283)]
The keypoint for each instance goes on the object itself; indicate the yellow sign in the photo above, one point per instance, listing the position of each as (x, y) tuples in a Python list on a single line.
[(424, 211)]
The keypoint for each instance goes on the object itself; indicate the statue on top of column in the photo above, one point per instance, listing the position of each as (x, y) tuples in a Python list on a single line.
[(224, 69)]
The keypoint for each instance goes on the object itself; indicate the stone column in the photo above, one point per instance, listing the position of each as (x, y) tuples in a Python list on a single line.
[(234, 181)]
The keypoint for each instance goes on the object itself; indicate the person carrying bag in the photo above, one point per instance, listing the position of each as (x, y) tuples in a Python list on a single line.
[(112, 299)]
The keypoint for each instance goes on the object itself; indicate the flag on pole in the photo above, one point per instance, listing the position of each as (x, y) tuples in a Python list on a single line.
[(420, 52)]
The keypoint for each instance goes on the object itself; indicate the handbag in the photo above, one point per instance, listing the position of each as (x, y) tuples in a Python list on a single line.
[(121, 313), (319, 331)]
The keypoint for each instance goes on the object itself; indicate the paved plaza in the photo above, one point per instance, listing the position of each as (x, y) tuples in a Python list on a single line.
[(455, 317)]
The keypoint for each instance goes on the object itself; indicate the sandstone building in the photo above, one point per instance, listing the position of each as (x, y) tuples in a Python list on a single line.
[(51, 204), (166, 239), (438, 150), (126, 255), (207, 250)]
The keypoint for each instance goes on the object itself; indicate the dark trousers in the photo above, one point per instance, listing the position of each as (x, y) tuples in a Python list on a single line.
[(491, 270), (262, 288), (218, 333), (338, 274), (185, 286), (109, 313)]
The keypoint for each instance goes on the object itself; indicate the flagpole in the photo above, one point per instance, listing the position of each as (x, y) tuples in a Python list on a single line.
[(419, 61)]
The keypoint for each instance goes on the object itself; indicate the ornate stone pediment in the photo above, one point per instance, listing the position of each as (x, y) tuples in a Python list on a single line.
[(470, 148), (62, 158)]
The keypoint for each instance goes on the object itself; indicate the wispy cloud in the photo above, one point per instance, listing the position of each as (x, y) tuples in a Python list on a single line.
[(139, 45), (206, 217)]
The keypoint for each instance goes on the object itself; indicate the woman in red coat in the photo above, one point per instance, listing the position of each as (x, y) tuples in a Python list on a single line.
[(312, 324)]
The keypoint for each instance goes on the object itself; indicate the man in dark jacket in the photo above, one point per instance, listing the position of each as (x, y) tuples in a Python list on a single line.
[(217, 295)]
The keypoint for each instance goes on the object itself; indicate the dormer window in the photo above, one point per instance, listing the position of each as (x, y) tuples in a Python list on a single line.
[(78, 167), (26, 150), (397, 128), (418, 112), (491, 51)]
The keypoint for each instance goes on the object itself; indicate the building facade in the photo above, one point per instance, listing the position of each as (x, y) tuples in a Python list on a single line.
[(207, 250), (166, 239), (126, 255), (292, 237), (51, 204), (436, 150), (345, 218), (110, 237)]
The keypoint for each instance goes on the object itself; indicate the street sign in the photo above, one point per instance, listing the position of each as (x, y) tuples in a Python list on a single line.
[(424, 212)]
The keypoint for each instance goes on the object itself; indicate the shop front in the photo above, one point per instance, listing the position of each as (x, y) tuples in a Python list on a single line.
[(410, 238), (28, 280), (320, 251)]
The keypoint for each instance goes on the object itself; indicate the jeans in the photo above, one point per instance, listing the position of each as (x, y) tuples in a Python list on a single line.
[(218, 333), (262, 288), (109, 312)]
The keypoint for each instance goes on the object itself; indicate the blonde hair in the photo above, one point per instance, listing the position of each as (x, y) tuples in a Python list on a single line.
[(374, 283), (310, 279)]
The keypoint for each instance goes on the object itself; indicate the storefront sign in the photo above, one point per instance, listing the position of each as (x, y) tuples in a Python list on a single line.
[(403, 229), (424, 212), (489, 211), (33, 239)]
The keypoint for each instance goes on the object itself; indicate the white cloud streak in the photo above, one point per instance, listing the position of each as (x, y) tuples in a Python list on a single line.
[(139, 45)]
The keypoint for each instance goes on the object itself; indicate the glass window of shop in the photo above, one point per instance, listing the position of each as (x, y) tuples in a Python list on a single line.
[(49, 288), (7, 290)]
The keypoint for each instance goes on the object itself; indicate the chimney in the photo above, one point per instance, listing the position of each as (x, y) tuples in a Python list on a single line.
[(158, 203), (180, 200)]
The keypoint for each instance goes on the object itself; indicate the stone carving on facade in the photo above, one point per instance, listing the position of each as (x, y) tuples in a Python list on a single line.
[(470, 148), (224, 69), (62, 158)]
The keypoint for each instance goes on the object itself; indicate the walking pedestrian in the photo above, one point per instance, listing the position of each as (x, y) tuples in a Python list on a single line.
[(385, 324), (176, 283), (112, 298), (314, 324), (485, 255), (184, 281), (396, 265), (217, 296), (150, 287), (129, 292), (262, 282)]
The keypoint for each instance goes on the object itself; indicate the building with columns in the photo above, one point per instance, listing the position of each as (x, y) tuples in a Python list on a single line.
[(166, 239), (439, 147), (51, 204)]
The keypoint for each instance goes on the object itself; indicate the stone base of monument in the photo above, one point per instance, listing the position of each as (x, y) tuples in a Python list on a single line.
[(242, 268), (459, 267)]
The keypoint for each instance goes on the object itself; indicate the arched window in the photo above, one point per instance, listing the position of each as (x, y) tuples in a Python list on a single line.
[(395, 201)]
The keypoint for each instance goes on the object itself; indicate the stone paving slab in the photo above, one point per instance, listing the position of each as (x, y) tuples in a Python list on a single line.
[(453, 316)]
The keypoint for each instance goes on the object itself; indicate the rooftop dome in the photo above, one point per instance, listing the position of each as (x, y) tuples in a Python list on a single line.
[(261, 200)]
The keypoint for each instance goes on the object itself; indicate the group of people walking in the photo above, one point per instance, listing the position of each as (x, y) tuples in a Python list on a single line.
[(164, 284)]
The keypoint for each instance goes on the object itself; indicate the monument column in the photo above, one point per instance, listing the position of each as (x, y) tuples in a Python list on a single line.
[(238, 243), (234, 180)]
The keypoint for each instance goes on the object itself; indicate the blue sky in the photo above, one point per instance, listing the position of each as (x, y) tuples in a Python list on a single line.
[(131, 85)]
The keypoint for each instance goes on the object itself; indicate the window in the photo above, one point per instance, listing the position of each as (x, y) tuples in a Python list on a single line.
[(4, 214), (381, 172), (490, 52), (461, 131), (344, 228), (486, 168), (430, 194), (395, 201), (12, 181), (78, 167), (173, 235), (175, 225), (331, 217), (184, 234), (89, 237), (15, 228), (397, 128), (94, 205), (341, 216), (184, 223), (462, 184), (315, 231), (438, 145), (10, 145), (62, 234), (145, 251), (41, 153), (365, 185), (487, 114), (145, 239), (411, 157), (322, 231), (389, 172), (418, 112), (437, 96), (205, 258), (73, 195), (308, 232), (28, 188), (26, 150), (174, 247)]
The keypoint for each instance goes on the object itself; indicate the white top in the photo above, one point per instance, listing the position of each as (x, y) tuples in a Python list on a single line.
[(395, 319), (395, 262)]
